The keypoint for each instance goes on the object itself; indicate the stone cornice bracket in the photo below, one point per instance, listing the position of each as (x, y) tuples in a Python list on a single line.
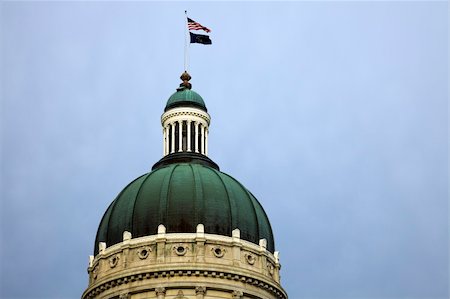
[(125, 296), (160, 292), (237, 294), (180, 295), (200, 290)]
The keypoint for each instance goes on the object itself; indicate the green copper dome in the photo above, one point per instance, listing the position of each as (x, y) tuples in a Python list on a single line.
[(185, 97), (180, 196)]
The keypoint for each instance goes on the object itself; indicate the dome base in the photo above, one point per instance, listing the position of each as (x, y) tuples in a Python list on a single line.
[(201, 265), (185, 157)]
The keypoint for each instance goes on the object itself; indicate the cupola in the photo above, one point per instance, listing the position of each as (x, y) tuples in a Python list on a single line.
[(185, 121)]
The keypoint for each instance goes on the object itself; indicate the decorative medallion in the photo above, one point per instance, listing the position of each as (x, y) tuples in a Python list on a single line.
[(250, 258), (144, 252), (113, 261), (218, 251), (270, 268), (180, 249)]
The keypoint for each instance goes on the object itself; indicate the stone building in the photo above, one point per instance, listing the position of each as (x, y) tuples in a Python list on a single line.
[(185, 229)]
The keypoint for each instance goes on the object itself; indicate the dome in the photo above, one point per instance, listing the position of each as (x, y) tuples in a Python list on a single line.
[(180, 196), (185, 97)]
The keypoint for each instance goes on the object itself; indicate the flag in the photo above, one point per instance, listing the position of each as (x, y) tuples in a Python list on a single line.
[(200, 39), (193, 25)]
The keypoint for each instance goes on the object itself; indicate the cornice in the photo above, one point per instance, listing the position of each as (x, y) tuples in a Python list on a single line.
[(185, 112), (101, 287)]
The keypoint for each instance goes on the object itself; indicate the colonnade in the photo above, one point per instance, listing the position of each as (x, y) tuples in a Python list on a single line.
[(185, 136)]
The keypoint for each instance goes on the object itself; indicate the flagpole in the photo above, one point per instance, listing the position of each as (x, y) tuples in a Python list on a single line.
[(186, 47)]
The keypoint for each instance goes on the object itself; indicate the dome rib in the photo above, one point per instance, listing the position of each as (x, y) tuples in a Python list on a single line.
[(170, 192), (113, 208), (109, 212), (101, 230), (270, 241), (164, 197), (195, 194), (249, 200), (199, 204), (113, 205), (135, 201), (122, 211), (214, 196), (256, 213), (232, 222)]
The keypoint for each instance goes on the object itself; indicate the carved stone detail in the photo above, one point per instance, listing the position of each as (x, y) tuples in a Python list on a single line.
[(160, 291), (180, 295), (125, 296), (218, 251), (200, 290), (270, 268), (237, 294), (250, 258), (113, 261), (184, 113), (144, 252), (180, 249), (206, 256), (95, 272)]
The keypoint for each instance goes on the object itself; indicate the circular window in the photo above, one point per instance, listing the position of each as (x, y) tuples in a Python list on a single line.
[(180, 250), (218, 251), (113, 261), (250, 259), (144, 252)]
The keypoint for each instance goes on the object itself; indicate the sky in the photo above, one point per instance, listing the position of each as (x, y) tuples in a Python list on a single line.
[(333, 114)]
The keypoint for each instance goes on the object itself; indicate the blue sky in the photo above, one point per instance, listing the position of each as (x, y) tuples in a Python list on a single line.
[(334, 115)]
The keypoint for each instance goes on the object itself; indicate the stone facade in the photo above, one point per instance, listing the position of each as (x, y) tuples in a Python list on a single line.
[(184, 265)]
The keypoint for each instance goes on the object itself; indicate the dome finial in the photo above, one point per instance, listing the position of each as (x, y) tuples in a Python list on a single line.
[(185, 77)]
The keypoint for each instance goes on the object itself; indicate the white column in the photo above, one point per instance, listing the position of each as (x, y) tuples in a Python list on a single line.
[(164, 141), (172, 125), (203, 140), (196, 136), (189, 135), (206, 141), (167, 139), (180, 136)]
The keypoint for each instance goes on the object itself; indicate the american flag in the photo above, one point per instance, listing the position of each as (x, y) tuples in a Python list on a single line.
[(193, 25)]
